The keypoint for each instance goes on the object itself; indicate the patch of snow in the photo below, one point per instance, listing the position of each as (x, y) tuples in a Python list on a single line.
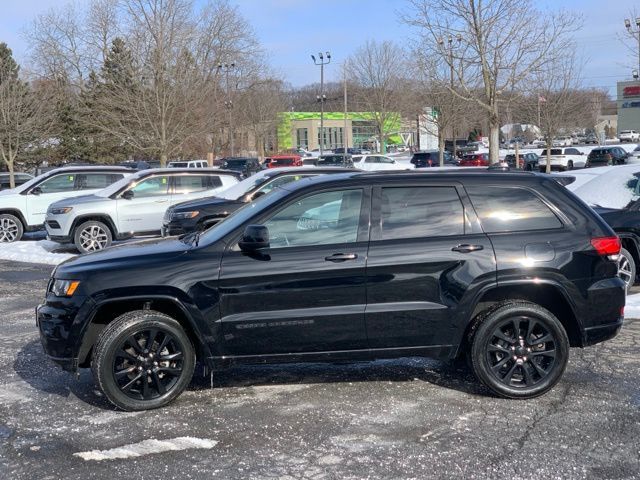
[(611, 187), (632, 306), (148, 447), (42, 251)]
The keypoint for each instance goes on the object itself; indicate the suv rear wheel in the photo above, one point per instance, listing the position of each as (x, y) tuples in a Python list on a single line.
[(143, 360), (92, 236), (11, 228), (627, 268), (520, 350)]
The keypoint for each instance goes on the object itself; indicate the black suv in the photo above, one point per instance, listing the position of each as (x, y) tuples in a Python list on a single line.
[(335, 160), (247, 166), (203, 213), (510, 269), (431, 158), (528, 161), (603, 156)]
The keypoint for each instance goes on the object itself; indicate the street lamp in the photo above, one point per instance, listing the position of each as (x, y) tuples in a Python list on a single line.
[(450, 43), (322, 60), (635, 33), (227, 67)]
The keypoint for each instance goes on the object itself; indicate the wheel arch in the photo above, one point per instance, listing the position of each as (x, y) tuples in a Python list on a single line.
[(96, 217), (108, 310), (548, 295), (16, 213), (630, 242)]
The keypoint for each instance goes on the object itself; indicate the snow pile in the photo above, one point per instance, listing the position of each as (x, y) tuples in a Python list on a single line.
[(614, 187), (41, 251), (632, 306)]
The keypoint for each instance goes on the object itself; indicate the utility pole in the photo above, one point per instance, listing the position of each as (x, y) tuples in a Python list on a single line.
[(321, 61), (450, 42), (345, 136), (635, 33), (229, 103)]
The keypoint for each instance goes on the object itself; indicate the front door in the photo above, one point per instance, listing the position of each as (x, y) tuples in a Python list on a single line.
[(306, 292), (142, 209), (51, 190), (425, 253)]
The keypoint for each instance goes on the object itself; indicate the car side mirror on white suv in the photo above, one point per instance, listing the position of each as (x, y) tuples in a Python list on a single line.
[(36, 191), (128, 195)]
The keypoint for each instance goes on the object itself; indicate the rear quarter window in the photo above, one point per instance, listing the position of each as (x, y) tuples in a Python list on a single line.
[(511, 209)]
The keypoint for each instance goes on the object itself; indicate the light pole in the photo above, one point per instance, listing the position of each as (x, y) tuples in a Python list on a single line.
[(322, 60), (635, 33), (450, 42), (226, 67)]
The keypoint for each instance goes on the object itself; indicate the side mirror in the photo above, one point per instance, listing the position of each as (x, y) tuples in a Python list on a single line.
[(258, 194), (254, 238), (36, 191), (127, 195)]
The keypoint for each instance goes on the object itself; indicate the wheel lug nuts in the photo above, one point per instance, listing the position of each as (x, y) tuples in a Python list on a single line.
[(515, 357), (155, 364), (140, 369), (149, 372)]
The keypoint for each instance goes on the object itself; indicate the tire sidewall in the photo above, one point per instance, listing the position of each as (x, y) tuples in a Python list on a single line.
[(110, 340), (483, 336), (18, 222), (82, 226), (632, 263)]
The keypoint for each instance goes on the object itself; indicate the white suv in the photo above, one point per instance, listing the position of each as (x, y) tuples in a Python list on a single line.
[(629, 136), (188, 164), (562, 159), (23, 209), (379, 162), (133, 206)]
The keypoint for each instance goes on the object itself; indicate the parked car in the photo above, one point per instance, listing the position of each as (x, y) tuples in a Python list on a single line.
[(629, 136), (133, 206), (188, 164), (19, 179), (379, 162), (634, 156), (284, 161), (198, 215), (140, 164), (431, 158), (350, 150), (247, 166), (335, 160), (603, 156), (510, 270), (591, 139), (528, 161), (562, 159), (475, 160), (23, 209), (615, 194), (564, 141)]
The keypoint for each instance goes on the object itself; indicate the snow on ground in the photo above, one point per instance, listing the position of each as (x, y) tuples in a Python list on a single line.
[(632, 307), (40, 251)]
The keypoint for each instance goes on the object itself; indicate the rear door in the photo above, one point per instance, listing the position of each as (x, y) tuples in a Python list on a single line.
[(426, 252), (190, 186)]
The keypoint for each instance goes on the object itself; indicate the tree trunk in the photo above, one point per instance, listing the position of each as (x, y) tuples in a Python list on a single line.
[(163, 160), (12, 177), (441, 146), (548, 169), (494, 138)]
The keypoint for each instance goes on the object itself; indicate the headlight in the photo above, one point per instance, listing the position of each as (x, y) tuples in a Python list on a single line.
[(64, 288), (184, 215), (60, 211)]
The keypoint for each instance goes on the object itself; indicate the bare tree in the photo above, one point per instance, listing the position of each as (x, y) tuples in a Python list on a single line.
[(20, 112), (501, 43), (374, 69)]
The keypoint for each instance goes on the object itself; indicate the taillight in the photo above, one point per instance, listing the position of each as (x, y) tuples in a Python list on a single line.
[(606, 245)]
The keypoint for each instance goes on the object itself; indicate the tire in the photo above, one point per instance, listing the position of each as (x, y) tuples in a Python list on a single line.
[(133, 377), (92, 236), (11, 228), (627, 268), (532, 367)]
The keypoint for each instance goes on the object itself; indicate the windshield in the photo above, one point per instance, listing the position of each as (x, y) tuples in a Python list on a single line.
[(246, 185)]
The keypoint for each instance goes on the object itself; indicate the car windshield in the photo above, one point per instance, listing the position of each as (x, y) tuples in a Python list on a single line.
[(608, 187), (239, 189)]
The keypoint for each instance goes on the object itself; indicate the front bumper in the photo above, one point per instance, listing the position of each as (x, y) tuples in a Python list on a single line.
[(171, 229), (61, 323), (58, 227)]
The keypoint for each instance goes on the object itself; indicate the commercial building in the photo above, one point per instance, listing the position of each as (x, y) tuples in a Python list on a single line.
[(629, 105)]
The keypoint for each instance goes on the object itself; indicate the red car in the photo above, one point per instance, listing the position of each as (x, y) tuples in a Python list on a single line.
[(283, 161), (475, 160)]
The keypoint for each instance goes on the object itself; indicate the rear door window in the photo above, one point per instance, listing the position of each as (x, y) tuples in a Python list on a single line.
[(416, 212), (511, 209), (183, 184)]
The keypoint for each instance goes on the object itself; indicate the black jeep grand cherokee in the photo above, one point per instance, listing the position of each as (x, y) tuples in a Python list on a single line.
[(510, 269)]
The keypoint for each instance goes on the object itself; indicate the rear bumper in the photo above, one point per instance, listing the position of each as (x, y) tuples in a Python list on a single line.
[(601, 333)]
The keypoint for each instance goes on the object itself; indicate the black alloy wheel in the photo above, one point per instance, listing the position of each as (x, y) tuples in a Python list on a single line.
[(520, 350), (143, 360)]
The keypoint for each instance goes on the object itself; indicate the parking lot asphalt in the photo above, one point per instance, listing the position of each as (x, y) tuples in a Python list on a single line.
[(409, 418)]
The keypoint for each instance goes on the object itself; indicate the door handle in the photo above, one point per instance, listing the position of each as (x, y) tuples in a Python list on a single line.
[(341, 257), (467, 248)]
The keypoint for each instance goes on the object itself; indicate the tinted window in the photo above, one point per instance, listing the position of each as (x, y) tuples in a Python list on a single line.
[(504, 209), (58, 183), (319, 219), (416, 212), (572, 151), (152, 187), (89, 181), (193, 183)]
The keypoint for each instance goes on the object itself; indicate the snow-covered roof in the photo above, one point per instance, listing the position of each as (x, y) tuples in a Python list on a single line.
[(608, 187)]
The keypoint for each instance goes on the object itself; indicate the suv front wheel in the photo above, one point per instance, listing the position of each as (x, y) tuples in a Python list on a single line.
[(11, 228), (520, 350), (143, 360), (92, 236)]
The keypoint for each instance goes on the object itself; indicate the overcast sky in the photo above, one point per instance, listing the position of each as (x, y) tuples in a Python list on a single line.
[(291, 30)]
